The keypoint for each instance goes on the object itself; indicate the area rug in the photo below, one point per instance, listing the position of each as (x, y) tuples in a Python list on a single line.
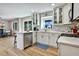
[(42, 46)]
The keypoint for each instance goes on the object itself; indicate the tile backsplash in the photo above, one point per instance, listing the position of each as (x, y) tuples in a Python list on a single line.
[(63, 28)]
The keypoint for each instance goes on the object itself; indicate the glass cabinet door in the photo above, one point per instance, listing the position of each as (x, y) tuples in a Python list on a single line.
[(25, 26), (55, 16), (30, 25)]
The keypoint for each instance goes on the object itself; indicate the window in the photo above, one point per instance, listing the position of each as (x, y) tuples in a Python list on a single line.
[(48, 23)]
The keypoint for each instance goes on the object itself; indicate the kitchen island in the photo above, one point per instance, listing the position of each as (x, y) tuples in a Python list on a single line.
[(23, 39), (68, 45)]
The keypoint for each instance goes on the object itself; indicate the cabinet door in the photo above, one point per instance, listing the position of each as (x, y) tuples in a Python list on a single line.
[(46, 38), (30, 25), (42, 38), (39, 37), (25, 26), (53, 39)]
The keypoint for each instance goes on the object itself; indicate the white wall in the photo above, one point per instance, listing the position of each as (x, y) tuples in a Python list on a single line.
[(65, 10), (76, 10)]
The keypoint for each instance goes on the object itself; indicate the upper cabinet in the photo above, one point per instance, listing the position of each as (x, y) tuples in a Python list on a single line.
[(28, 26), (62, 14), (22, 24), (57, 15), (15, 25), (27, 23)]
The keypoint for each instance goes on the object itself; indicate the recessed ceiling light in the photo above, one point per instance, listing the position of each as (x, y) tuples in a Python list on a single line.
[(53, 4)]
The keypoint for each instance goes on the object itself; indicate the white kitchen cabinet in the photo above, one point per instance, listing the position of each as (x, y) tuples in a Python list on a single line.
[(42, 38), (19, 40), (47, 38), (39, 37), (53, 39), (67, 50), (68, 46), (58, 15)]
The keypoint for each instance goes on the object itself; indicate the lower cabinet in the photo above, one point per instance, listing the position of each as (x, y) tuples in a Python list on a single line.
[(47, 38), (68, 50), (42, 38), (53, 39)]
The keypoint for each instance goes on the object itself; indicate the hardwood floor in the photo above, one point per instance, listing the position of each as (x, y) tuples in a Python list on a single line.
[(7, 49), (35, 51)]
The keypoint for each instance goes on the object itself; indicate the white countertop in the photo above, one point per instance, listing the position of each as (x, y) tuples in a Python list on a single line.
[(25, 32), (69, 41), (42, 32), (53, 31)]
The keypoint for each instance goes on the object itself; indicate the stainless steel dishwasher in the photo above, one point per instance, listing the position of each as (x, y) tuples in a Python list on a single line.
[(27, 40)]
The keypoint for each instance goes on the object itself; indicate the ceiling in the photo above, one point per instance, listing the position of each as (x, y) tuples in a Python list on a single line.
[(13, 10)]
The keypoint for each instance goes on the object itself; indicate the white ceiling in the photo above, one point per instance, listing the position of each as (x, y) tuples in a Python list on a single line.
[(13, 10)]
